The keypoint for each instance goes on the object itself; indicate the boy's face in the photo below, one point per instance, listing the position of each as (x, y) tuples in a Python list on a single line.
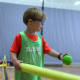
[(35, 25)]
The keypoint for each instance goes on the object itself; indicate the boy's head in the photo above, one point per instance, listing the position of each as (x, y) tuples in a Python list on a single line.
[(34, 14), (34, 18)]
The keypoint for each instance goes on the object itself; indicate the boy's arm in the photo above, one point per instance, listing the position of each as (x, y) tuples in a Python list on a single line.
[(53, 53), (13, 57), (16, 62), (56, 54)]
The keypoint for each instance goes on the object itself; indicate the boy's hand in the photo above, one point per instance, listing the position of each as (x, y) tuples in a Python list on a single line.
[(61, 55), (17, 64)]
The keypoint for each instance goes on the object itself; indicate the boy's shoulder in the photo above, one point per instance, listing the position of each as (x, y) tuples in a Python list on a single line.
[(18, 36)]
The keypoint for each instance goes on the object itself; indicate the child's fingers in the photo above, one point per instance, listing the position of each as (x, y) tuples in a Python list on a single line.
[(18, 67), (20, 61), (64, 54)]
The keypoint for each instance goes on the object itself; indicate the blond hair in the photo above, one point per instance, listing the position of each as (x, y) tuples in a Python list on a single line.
[(33, 13)]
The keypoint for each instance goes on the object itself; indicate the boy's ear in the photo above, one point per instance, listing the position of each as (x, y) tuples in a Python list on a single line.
[(30, 21)]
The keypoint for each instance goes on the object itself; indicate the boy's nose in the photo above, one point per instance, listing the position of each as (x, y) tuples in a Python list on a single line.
[(41, 25)]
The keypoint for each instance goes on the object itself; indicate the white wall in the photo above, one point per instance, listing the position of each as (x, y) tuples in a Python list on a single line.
[(61, 4)]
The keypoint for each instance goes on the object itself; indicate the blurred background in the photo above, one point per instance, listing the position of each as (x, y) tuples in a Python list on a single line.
[(61, 29)]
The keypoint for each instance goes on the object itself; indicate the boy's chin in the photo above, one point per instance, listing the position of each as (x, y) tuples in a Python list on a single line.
[(38, 30)]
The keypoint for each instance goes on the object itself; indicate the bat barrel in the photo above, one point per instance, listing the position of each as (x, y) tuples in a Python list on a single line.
[(43, 72)]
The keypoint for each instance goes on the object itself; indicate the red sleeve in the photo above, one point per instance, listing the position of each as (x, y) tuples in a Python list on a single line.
[(16, 46), (46, 48)]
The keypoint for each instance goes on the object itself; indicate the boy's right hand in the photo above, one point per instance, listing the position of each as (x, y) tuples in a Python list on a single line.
[(17, 64)]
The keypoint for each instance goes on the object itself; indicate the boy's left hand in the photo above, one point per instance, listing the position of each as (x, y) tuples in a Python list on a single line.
[(61, 55)]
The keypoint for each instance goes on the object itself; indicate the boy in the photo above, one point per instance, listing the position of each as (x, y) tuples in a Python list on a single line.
[(29, 47)]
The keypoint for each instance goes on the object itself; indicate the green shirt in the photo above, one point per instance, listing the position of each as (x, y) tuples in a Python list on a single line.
[(31, 53)]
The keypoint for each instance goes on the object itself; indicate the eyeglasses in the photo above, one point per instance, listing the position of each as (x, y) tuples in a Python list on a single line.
[(41, 21)]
